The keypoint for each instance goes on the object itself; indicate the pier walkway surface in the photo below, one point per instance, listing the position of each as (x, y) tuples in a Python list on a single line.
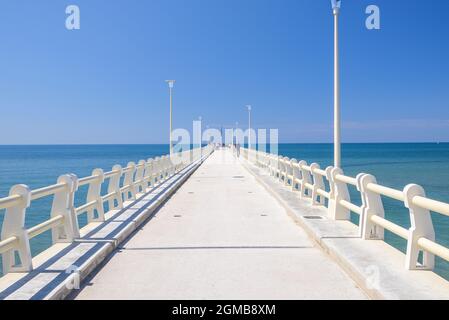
[(222, 235)]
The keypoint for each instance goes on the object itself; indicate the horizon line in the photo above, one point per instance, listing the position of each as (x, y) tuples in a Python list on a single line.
[(167, 144)]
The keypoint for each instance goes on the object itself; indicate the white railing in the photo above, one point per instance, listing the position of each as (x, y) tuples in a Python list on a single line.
[(63, 221), (309, 181)]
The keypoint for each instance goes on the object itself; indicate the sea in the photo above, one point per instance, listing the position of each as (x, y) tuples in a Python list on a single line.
[(393, 164)]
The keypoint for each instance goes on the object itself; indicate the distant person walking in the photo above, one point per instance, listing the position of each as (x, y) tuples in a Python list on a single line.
[(237, 148)]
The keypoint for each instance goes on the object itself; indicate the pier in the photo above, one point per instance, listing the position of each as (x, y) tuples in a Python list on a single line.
[(221, 236), (209, 224)]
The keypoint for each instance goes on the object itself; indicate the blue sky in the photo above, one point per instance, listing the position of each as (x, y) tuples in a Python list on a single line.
[(105, 82)]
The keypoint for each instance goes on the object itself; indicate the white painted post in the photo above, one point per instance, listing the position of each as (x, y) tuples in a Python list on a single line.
[(163, 167), (421, 227), (306, 178), (14, 226), (280, 168), (339, 191), (286, 170), (277, 166), (318, 183), (296, 173), (138, 177), (160, 167), (129, 181), (148, 175), (166, 163), (63, 204), (156, 173), (94, 194), (264, 159), (267, 162), (330, 201), (273, 165), (114, 187), (371, 205), (172, 164), (177, 160)]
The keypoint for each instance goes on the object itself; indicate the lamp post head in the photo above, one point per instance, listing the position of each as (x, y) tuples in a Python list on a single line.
[(171, 83), (249, 107), (336, 5)]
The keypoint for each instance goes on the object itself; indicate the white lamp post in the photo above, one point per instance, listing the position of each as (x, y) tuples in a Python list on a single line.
[(336, 4), (235, 132), (171, 84), (249, 126), (200, 119)]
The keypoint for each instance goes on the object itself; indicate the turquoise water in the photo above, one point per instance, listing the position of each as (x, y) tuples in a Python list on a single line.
[(394, 165)]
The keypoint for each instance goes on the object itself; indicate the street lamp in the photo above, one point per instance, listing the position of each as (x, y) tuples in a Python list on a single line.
[(200, 119), (336, 5), (249, 126), (171, 84)]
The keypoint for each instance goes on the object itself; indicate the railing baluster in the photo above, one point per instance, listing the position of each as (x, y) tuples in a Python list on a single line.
[(14, 226), (157, 172), (318, 183), (94, 194), (148, 175), (306, 178), (63, 204), (339, 191), (138, 177), (296, 174), (285, 172), (129, 193), (371, 206), (421, 227), (114, 188)]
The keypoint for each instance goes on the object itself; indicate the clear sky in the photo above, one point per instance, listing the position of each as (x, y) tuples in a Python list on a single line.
[(105, 82)]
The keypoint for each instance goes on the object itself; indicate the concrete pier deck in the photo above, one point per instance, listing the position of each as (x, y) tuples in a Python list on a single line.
[(222, 235)]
